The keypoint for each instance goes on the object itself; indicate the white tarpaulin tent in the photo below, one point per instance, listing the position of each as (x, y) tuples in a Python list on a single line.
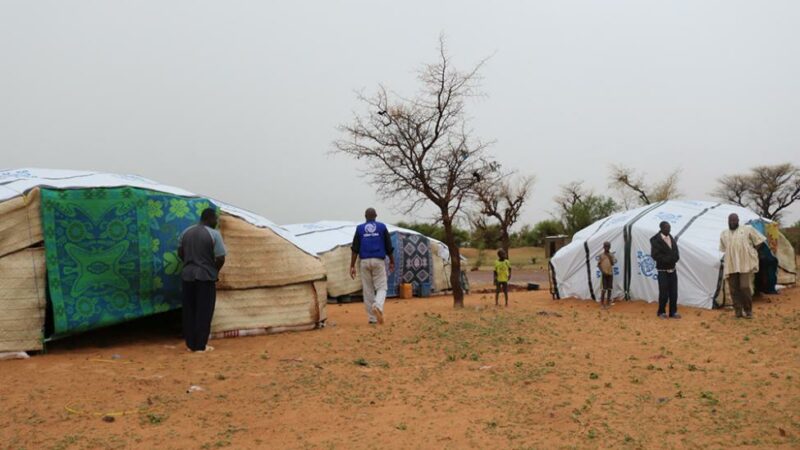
[(695, 224), (331, 240), (325, 235)]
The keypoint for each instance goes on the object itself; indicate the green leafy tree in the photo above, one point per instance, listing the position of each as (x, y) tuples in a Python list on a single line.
[(793, 235), (486, 235), (435, 231), (579, 207), (534, 236)]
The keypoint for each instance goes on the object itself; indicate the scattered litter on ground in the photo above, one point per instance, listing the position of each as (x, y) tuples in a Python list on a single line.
[(13, 355), (295, 360)]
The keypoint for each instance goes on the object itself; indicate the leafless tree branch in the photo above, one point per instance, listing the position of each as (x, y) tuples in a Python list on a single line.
[(768, 190), (627, 180), (420, 150), (503, 200)]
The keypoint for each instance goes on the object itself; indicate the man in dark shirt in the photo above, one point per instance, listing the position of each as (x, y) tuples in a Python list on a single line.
[(372, 244), (203, 254), (664, 251)]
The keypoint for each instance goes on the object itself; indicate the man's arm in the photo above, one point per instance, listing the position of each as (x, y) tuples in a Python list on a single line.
[(655, 253), (219, 250), (355, 249), (509, 270), (387, 244), (180, 245), (353, 257), (677, 250), (756, 239)]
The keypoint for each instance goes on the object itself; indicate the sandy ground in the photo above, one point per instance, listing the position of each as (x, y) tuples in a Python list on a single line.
[(539, 374)]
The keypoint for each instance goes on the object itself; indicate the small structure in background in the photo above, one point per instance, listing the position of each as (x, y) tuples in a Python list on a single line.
[(553, 243)]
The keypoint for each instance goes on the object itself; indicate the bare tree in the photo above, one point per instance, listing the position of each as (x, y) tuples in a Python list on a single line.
[(734, 189), (482, 233), (504, 201), (571, 194), (768, 190), (420, 150), (626, 180)]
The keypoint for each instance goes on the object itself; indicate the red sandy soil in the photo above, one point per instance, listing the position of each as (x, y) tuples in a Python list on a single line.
[(539, 374)]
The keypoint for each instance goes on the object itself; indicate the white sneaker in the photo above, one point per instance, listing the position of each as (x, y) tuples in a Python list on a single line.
[(378, 313)]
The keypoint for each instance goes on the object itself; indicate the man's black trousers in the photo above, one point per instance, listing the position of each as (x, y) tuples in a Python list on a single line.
[(667, 292), (199, 299)]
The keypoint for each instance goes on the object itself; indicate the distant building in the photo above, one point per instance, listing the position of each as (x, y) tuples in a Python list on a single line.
[(553, 243)]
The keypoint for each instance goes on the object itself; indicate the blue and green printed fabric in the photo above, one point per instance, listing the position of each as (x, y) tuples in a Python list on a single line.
[(112, 254)]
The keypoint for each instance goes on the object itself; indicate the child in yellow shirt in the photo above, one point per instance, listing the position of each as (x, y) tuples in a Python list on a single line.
[(502, 273)]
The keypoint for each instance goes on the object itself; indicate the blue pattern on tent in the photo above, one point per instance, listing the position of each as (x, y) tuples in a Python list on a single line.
[(392, 287)]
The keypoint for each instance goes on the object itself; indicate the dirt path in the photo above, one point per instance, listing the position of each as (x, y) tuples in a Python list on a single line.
[(483, 278), (540, 374)]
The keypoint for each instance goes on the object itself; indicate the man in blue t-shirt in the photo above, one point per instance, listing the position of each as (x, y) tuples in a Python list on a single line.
[(372, 244)]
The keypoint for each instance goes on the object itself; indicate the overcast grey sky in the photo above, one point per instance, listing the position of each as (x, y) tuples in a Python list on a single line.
[(240, 100)]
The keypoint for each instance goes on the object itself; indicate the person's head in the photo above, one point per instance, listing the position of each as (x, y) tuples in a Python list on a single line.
[(370, 214), (501, 254), (606, 246), (733, 221), (209, 217), (665, 228)]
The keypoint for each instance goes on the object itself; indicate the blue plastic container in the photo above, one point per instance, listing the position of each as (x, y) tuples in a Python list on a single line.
[(422, 289)]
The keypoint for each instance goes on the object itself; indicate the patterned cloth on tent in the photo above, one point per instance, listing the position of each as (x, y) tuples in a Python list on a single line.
[(767, 276), (415, 259), (392, 279), (111, 254)]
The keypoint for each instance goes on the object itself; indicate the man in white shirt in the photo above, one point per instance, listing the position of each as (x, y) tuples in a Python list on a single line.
[(740, 244)]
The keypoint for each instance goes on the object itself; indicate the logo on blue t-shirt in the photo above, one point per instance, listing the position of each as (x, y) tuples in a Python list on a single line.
[(371, 230), (372, 243)]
